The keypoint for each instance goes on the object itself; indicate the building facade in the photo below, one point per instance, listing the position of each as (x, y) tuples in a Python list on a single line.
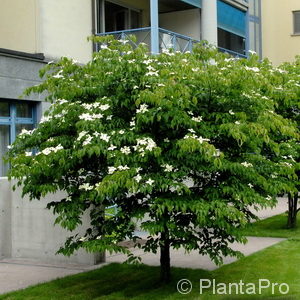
[(179, 24), (281, 30), (45, 30)]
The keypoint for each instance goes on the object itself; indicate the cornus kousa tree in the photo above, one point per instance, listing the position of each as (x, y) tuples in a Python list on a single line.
[(286, 92), (180, 142)]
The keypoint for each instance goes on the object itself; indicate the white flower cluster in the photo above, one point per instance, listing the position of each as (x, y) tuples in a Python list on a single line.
[(105, 137), (89, 117), (88, 138), (200, 139), (287, 164), (26, 132), (289, 157), (48, 150), (254, 69), (111, 170), (167, 51), (86, 187), (125, 150), (111, 147), (137, 178), (168, 168), (90, 106), (150, 181), (142, 109), (144, 144), (58, 75), (197, 119), (62, 101), (246, 164)]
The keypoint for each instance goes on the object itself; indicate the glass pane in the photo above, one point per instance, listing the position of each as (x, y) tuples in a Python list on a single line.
[(20, 127), (4, 109), (134, 19), (297, 22), (4, 142), (24, 110)]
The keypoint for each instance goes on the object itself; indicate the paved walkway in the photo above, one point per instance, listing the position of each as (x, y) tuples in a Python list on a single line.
[(20, 273), (17, 274)]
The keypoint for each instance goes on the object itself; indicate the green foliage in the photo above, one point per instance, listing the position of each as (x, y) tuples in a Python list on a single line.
[(186, 143)]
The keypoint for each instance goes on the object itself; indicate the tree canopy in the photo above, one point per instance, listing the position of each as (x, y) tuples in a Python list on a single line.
[(187, 143)]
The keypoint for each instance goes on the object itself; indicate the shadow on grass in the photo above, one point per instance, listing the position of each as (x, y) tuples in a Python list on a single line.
[(114, 281), (275, 226)]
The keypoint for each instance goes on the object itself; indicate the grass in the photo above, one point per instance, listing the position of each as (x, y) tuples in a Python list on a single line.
[(273, 227), (279, 263)]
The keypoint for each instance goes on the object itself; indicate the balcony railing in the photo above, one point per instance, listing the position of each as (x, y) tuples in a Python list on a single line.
[(167, 39), (179, 42), (233, 53)]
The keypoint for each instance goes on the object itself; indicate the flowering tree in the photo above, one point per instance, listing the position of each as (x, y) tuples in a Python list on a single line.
[(178, 141), (286, 92)]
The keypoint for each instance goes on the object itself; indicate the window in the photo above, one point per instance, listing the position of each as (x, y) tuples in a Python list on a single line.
[(230, 41), (14, 117), (115, 17), (296, 22), (231, 28)]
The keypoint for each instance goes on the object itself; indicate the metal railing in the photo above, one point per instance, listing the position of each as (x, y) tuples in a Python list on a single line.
[(142, 35), (233, 53), (173, 40), (167, 39)]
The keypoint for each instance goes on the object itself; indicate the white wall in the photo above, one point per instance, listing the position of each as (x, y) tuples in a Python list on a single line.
[(18, 25), (64, 26), (186, 22)]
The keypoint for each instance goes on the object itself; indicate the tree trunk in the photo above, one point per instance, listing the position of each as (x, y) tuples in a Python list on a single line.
[(165, 265), (293, 210)]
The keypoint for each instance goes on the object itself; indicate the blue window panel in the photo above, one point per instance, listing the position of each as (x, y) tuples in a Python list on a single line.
[(13, 121), (196, 3), (231, 19)]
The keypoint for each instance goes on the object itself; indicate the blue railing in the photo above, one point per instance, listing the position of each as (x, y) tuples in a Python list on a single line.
[(179, 42), (167, 39), (233, 53)]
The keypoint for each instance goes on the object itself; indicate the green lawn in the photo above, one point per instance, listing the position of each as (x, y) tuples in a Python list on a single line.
[(279, 263), (273, 227)]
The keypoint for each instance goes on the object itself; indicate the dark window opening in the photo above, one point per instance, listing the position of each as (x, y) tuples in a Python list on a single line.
[(296, 22), (231, 41), (118, 17)]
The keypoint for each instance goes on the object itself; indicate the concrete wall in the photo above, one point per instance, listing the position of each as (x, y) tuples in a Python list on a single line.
[(18, 26), (186, 22), (279, 43), (27, 229), (5, 218), (16, 74)]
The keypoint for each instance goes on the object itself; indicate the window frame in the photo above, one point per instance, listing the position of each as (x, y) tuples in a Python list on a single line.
[(296, 12), (12, 120)]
